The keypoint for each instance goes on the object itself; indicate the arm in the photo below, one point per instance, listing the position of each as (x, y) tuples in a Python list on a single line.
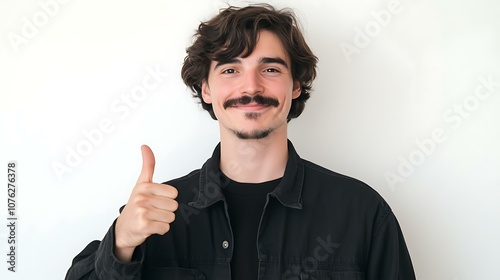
[(389, 258), (150, 210), (98, 261)]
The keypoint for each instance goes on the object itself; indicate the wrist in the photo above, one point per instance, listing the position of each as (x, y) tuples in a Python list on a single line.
[(123, 254), (122, 251)]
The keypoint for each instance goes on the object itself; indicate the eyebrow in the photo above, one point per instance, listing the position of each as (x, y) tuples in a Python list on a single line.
[(227, 61), (277, 60), (263, 60)]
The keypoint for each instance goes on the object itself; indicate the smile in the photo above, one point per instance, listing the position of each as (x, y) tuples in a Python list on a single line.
[(250, 107)]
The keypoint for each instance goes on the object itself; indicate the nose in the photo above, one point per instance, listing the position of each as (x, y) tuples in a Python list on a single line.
[(251, 83)]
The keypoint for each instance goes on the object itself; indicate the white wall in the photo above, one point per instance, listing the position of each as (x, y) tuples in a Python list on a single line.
[(403, 85)]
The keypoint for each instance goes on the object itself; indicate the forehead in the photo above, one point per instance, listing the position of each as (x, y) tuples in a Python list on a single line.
[(271, 43), (268, 45)]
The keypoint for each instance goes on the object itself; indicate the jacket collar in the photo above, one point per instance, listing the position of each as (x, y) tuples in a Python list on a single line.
[(288, 191)]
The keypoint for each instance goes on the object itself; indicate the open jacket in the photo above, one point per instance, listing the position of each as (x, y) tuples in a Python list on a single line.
[(316, 224)]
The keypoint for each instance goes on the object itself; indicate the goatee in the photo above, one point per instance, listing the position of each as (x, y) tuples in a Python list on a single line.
[(256, 134)]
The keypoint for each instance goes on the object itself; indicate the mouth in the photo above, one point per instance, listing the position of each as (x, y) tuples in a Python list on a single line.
[(250, 106)]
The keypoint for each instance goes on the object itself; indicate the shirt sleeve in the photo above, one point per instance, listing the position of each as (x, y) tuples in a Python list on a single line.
[(98, 262), (389, 258)]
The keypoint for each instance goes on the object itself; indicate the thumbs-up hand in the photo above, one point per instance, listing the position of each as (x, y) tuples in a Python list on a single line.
[(149, 210)]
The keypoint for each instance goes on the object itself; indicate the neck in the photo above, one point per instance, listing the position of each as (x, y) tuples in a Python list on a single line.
[(254, 161)]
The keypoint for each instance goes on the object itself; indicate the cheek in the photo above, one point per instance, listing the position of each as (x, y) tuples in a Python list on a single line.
[(287, 105), (218, 103), (218, 110)]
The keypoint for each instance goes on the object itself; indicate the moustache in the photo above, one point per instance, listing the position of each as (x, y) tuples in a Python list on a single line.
[(259, 99)]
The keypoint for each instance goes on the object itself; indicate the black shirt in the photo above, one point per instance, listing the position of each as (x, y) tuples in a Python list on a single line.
[(317, 224), (245, 202)]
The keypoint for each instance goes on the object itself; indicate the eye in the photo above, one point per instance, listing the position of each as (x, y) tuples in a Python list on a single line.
[(272, 70), (229, 71)]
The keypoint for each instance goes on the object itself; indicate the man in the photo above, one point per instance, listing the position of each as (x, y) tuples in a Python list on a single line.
[(255, 210)]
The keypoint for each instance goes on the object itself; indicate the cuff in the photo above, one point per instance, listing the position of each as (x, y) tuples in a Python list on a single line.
[(107, 266)]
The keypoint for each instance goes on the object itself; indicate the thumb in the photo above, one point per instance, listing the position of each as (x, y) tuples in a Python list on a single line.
[(148, 165)]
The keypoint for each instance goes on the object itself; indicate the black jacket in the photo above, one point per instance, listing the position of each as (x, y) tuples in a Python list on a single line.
[(316, 224)]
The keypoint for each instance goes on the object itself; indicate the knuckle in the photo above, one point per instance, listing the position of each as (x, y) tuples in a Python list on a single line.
[(172, 191), (141, 212), (139, 187), (165, 229), (175, 205), (170, 217), (175, 192), (141, 200), (143, 224), (171, 205), (147, 187)]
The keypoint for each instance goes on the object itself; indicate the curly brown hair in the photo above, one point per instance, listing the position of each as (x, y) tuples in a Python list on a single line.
[(234, 32)]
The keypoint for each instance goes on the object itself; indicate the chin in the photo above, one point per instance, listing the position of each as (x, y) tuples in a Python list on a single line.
[(256, 134)]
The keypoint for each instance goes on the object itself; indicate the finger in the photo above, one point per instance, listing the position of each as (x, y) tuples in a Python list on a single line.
[(148, 165), (154, 227), (161, 216), (164, 203), (161, 190), (164, 190)]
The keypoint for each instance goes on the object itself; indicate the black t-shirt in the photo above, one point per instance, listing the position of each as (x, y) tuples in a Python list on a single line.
[(246, 202)]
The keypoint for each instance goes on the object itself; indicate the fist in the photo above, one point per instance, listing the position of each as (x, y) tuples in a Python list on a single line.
[(149, 210)]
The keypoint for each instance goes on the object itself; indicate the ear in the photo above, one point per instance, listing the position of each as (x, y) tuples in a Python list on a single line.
[(205, 92), (296, 89)]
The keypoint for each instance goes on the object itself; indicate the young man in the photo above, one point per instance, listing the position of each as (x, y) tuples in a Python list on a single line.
[(255, 210)]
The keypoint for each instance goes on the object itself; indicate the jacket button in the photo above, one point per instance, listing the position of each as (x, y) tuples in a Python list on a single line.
[(225, 244)]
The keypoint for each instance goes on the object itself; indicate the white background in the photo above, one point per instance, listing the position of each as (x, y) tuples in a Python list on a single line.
[(368, 111)]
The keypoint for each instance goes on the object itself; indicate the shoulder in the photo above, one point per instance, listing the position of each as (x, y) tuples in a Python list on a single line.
[(186, 179), (340, 187), (329, 178)]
